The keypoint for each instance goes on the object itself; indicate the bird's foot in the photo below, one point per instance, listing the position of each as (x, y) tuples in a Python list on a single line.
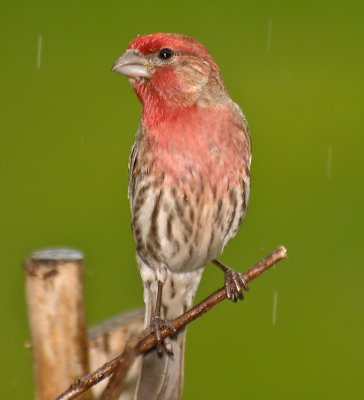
[(156, 327), (234, 284)]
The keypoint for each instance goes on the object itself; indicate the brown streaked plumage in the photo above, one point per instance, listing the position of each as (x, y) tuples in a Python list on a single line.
[(188, 186)]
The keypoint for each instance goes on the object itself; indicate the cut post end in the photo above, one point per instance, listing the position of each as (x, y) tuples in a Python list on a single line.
[(57, 254)]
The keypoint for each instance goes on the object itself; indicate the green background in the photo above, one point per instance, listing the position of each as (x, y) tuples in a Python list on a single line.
[(67, 124)]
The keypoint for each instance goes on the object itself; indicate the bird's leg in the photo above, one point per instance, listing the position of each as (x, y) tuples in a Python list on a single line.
[(234, 282), (157, 324)]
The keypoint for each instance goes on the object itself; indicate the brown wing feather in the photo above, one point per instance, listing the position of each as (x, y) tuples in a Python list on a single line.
[(133, 163)]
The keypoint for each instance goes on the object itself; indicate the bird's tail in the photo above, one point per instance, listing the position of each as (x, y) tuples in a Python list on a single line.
[(161, 376)]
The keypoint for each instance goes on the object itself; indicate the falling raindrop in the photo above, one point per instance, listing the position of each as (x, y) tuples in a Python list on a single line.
[(274, 315), (39, 51), (269, 37), (329, 162)]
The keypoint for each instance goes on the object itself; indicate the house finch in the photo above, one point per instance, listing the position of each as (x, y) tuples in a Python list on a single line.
[(188, 186)]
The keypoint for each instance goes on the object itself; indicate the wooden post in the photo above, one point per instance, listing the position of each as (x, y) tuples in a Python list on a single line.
[(54, 295)]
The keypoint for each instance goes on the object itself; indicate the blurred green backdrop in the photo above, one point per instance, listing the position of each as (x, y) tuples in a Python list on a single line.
[(67, 124)]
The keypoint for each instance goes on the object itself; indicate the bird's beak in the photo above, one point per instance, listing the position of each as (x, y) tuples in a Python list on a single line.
[(133, 64)]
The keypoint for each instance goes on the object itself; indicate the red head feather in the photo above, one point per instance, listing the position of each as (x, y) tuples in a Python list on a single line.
[(149, 44), (177, 86)]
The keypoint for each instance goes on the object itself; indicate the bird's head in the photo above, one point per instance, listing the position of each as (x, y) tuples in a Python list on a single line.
[(171, 71)]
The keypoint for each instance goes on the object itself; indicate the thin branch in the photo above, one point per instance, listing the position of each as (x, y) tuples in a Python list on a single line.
[(106, 341), (116, 383), (124, 360), (115, 386)]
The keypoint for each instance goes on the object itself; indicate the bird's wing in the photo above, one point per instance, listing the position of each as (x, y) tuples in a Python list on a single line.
[(133, 163), (245, 129)]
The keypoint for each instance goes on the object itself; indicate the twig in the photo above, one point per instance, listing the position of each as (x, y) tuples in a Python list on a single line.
[(109, 339), (124, 360), (116, 383)]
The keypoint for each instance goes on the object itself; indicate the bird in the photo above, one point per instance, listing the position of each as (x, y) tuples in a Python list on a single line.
[(189, 185)]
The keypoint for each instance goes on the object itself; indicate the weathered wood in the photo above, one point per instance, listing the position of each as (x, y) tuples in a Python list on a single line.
[(107, 340), (54, 295)]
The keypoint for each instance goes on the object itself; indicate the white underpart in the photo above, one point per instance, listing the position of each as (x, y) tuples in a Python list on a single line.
[(175, 299)]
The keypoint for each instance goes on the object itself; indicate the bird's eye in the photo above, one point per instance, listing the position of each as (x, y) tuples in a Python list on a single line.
[(165, 54)]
